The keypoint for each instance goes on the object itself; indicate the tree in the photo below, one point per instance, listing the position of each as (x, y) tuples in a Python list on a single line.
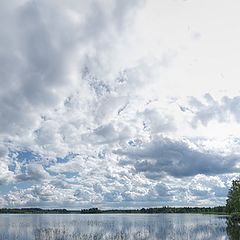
[(233, 200)]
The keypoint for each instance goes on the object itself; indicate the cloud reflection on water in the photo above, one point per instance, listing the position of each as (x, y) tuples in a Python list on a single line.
[(131, 227)]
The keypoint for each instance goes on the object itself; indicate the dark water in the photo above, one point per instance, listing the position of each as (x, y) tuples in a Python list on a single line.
[(119, 226)]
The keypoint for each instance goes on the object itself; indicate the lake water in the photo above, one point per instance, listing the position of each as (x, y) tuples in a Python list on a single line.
[(117, 226)]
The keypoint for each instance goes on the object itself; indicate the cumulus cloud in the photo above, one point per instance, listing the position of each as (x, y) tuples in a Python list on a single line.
[(157, 121), (40, 61), (164, 156), (38, 58), (209, 109), (6, 175), (46, 48), (34, 172)]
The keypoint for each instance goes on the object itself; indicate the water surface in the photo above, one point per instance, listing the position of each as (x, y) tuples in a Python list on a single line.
[(115, 226)]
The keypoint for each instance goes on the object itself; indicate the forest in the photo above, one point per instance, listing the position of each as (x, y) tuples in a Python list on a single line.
[(165, 209)]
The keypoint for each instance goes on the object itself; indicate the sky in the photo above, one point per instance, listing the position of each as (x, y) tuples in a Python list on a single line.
[(118, 104)]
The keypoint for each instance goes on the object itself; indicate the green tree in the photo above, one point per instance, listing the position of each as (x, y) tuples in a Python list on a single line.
[(233, 200)]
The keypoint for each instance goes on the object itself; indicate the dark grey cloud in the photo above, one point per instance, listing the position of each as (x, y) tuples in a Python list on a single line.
[(163, 156)]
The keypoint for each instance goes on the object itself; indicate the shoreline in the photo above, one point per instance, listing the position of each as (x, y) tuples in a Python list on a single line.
[(220, 210)]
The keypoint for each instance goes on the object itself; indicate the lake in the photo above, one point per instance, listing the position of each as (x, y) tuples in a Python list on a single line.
[(117, 226)]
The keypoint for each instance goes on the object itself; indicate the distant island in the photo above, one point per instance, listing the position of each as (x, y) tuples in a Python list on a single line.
[(203, 210)]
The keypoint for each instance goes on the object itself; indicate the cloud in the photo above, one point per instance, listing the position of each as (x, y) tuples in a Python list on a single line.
[(158, 122), (38, 195), (210, 109), (6, 176), (164, 156), (45, 47), (34, 172), (41, 64), (89, 114)]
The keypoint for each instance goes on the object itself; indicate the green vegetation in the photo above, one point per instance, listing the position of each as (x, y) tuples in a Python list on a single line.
[(32, 210), (233, 203), (204, 210)]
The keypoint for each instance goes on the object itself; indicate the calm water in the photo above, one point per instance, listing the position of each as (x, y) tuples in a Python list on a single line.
[(119, 226)]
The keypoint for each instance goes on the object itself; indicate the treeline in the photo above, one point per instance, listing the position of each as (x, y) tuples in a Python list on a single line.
[(205, 210), (32, 210), (218, 210)]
